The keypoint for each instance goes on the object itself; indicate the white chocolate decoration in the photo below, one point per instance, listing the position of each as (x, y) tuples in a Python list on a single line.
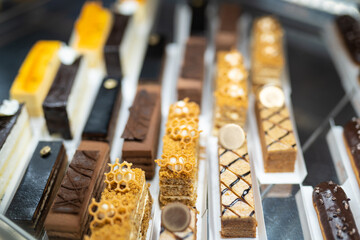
[(128, 7), (272, 96), (178, 164), (67, 55), (234, 58), (236, 75), (9, 107), (231, 136)]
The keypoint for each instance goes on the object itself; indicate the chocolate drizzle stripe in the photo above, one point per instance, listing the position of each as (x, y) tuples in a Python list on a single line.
[(252, 213), (225, 151)]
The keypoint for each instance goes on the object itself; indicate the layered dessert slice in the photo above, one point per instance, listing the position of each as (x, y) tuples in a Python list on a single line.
[(91, 31), (36, 75), (124, 210), (141, 134), (352, 142), (178, 221), (179, 163), (276, 131), (236, 193), (267, 52), (231, 90), (63, 104), (15, 131), (226, 37), (68, 217), (333, 211), (190, 83), (38, 187), (101, 124)]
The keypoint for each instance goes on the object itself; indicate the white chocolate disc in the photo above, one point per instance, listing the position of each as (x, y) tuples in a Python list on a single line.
[(9, 107), (272, 96), (231, 136)]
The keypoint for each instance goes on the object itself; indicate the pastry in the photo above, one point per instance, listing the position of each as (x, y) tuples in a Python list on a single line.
[(153, 65), (226, 37), (38, 187), (112, 56), (179, 162), (102, 120), (124, 211), (231, 90), (141, 134), (267, 54), (333, 211), (178, 221), (276, 132), (62, 105), (349, 31), (164, 22), (236, 193), (91, 31), (14, 131), (68, 217), (352, 142), (36, 75), (191, 79)]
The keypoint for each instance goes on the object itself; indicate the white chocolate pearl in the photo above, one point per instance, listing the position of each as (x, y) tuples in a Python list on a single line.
[(233, 58), (185, 110), (236, 74), (181, 103), (269, 50), (268, 38)]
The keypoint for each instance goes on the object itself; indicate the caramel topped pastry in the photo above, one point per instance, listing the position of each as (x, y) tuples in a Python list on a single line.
[(352, 142), (179, 161), (125, 206), (231, 93), (236, 192), (334, 214)]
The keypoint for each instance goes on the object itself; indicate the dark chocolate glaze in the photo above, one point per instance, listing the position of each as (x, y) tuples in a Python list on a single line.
[(6, 125), (55, 103), (193, 64), (352, 138), (32, 198), (100, 125), (334, 213), (229, 14), (164, 23), (140, 116), (112, 45), (152, 68), (198, 20), (75, 184), (349, 28)]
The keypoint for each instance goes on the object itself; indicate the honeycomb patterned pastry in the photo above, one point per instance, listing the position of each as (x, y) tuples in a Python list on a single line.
[(177, 162), (183, 130), (184, 109), (120, 176)]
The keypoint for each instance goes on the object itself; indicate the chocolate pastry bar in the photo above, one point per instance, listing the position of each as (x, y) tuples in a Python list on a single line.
[(236, 193), (198, 20), (38, 187), (164, 23), (352, 142), (192, 74), (227, 32), (101, 123), (152, 68), (112, 45), (141, 134), (349, 29), (334, 214), (68, 217), (56, 103)]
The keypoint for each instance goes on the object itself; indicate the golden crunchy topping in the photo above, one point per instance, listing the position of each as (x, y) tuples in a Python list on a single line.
[(177, 162), (183, 130), (183, 109), (120, 176)]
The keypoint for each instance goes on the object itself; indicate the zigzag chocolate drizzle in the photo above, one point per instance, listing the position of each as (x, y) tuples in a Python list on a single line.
[(76, 182)]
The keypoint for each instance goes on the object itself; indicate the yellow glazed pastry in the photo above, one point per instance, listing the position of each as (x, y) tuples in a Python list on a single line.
[(36, 75), (91, 31)]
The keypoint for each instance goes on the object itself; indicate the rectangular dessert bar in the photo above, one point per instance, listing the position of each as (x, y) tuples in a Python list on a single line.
[(14, 131), (191, 79), (141, 134), (164, 23), (36, 75), (236, 193), (38, 187), (127, 203), (68, 217), (352, 143), (102, 120), (66, 95), (226, 37), (277, 138)]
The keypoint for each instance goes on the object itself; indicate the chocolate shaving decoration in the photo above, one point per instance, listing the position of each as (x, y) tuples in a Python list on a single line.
[(75, 183), (140, 115)]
